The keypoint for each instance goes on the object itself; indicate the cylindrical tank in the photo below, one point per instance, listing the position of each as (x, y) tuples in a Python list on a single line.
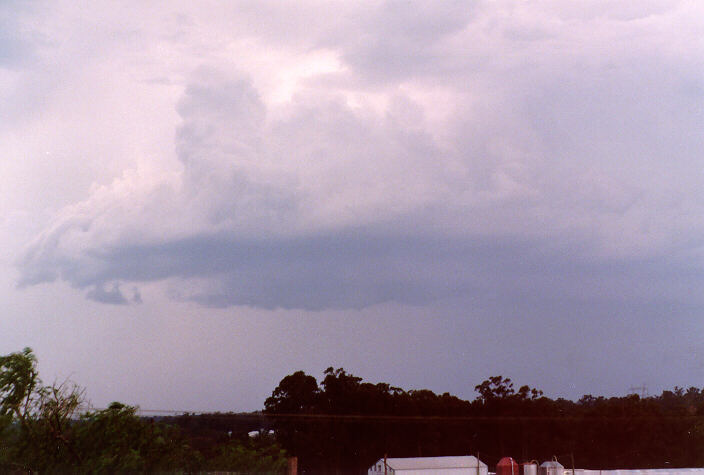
[(529, 468), (551, 467), (507, 466)]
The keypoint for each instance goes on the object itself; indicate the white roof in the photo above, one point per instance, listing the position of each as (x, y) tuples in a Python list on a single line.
[(552, 464), (412, 463)]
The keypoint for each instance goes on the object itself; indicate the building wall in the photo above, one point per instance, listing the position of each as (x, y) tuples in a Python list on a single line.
[(433, 471), (443, 471)]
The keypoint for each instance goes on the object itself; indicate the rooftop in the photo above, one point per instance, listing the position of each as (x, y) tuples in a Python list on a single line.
[(410, 463)]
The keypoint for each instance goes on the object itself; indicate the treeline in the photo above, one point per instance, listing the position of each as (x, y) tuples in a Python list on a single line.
[(47, 428), (353, 423), (342, 425)]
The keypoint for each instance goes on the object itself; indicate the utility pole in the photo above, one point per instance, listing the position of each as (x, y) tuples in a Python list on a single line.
[(292, 466)]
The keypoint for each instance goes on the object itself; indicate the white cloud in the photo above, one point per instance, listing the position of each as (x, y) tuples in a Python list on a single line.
[(367, 155)]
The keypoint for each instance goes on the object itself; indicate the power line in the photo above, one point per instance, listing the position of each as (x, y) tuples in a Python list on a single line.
[(259, 416)]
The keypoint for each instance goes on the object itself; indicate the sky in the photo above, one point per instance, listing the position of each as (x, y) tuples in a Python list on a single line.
[(199, 198)]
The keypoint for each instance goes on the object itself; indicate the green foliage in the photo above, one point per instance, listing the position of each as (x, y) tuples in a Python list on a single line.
[(115, 439), (260, 454), (352, 423), (47, 437), (45, 428), (18, 381)]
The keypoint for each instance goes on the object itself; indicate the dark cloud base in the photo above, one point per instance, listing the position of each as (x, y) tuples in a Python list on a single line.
[(359, 268)]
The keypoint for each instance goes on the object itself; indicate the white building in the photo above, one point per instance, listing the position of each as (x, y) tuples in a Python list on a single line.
[(464, 465), (652, 471)]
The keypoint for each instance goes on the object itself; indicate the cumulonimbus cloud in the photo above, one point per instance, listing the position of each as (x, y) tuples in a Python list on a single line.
[(533, 166)]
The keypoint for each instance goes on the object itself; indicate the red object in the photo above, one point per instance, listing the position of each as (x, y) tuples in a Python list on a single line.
[(507, 466)]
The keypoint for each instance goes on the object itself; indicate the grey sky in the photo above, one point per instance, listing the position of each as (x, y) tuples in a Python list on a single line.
[(214, 196)]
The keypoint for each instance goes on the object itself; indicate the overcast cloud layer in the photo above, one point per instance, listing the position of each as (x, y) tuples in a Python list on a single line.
[(324, 156)]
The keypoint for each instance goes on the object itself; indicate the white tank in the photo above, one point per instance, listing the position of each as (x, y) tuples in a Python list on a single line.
[(530, 469), (551, 468)]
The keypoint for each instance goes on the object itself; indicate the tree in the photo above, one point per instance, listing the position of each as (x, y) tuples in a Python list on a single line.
[(500, 388), (45, 428), (48, 436), (37, 419), (18, 380), (496, 387), (296, 393), (115, 439), (260, 454)]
